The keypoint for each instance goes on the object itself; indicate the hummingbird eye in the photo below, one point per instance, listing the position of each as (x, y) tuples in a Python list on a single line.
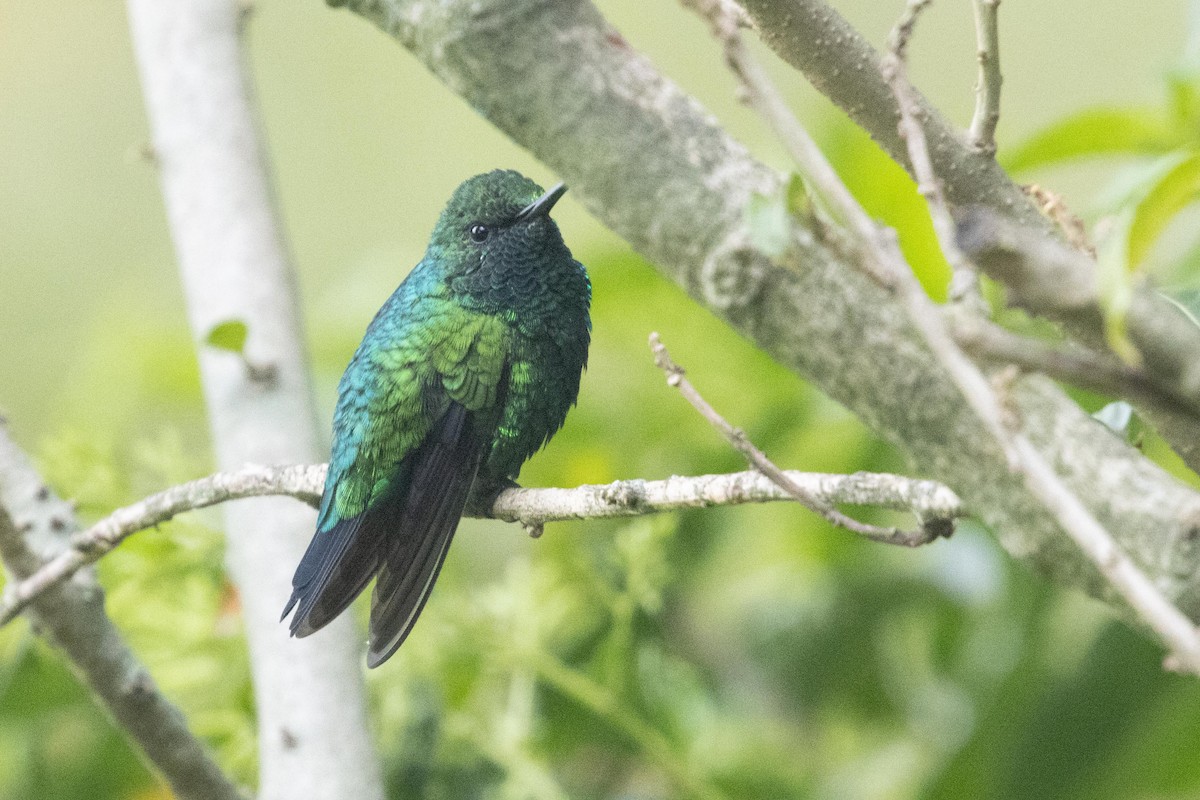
[(478, 233)]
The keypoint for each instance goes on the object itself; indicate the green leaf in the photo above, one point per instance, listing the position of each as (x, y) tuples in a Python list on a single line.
[(229, 335), (1183, 85), (1092, 132), (1175, 189), (799, 204), (768, 222)]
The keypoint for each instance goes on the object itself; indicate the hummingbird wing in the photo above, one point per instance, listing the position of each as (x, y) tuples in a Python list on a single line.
[(415, 418), (416, 516)]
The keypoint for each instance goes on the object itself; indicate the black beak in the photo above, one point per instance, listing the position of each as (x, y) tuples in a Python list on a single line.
[(541, 207)]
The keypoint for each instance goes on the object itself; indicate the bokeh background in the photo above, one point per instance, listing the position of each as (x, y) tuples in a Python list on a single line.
[(737, 653)]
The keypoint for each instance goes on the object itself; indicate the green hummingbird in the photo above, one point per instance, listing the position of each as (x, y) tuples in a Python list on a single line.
[(467, 370)]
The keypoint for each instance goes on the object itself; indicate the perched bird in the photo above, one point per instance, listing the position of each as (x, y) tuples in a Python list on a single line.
[(468, 369)]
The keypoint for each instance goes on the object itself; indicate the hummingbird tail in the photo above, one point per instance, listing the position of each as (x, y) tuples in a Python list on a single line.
[(443, 471), (337, 566), (403, 537)]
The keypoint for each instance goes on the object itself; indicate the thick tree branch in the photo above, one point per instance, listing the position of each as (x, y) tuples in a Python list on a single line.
[(935, 507), (1050, 278), (649, 162), (35, 527), (1152, 608), (815, 39), (313, 736)]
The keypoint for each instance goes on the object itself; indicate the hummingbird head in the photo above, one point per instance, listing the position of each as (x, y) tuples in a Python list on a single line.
[(496, 241)]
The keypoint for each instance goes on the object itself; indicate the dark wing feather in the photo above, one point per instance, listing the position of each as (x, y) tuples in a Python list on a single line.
[(340, 562), (444, 468)]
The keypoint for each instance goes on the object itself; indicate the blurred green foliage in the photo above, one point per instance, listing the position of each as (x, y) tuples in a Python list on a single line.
[(729, 653)]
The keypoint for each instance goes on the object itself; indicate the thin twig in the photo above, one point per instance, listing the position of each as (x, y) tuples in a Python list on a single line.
[(1165, 619), (987, 85), (1171, 625), (737, 438), (934, 504), (964, 283)]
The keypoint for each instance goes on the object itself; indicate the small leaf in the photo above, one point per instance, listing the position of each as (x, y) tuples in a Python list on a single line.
[(1116, 417), (1175, 188), (768, 222), (1092, 132), (229, 335), (799, 203)]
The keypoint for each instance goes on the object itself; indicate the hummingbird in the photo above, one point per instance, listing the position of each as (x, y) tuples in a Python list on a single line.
[(465, 372)]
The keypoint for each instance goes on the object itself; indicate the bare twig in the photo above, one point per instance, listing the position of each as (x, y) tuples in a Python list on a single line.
[(1159, 614), (935, 505), (759, 460), (34, 527), (964, 285), (987, 85)]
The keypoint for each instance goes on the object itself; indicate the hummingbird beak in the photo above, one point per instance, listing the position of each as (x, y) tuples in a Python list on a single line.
[(541, 207)]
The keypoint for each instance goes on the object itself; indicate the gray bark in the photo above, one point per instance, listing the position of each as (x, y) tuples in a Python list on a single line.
[(815, 39), (35, 527), (656, 168), (314, 740)]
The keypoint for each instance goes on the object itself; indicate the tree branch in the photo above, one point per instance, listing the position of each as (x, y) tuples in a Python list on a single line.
[(1050, 278), (815, 39), (987, 85), (652, 165), (935, 506), (34, 529), (313, 734), (1079, 366), (1153, 609), (796, 490)]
